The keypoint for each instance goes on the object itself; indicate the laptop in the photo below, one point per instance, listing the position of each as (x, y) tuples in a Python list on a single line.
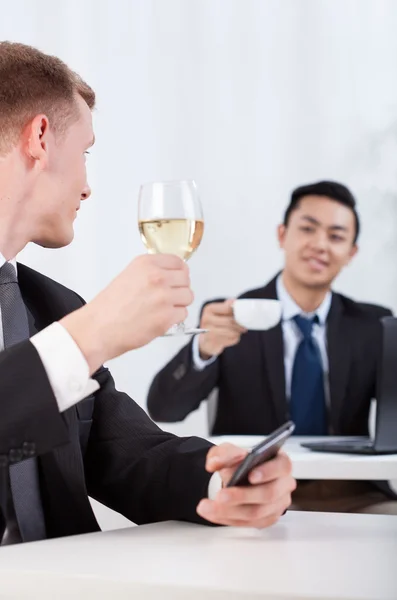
[(385, 441)]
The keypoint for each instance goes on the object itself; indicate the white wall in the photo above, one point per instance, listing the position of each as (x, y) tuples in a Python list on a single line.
[(248, 97)]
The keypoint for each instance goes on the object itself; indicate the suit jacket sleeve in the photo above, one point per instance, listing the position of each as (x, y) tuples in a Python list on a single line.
[(137, 469), (30, 419), (178, 389)]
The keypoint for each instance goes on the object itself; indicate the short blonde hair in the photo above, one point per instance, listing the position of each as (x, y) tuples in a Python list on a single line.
[(31, 83)]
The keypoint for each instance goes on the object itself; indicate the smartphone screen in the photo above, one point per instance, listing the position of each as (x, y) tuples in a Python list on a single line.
[(262, 452)]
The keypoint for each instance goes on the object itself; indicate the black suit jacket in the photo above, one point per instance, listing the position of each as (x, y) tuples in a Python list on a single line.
[(251, 380), (130, 464)]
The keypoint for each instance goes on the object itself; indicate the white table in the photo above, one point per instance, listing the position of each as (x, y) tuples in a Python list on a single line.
[(326, 465), (305, 556)]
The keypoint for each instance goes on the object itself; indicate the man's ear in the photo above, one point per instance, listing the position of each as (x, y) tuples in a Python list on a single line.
[(352, 254), (36, 135), (281, 232)]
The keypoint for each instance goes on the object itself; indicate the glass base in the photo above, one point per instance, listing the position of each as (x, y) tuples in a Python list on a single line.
[(182, 329)]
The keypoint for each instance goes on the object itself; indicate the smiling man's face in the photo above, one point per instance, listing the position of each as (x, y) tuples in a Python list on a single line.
[(318, 241)]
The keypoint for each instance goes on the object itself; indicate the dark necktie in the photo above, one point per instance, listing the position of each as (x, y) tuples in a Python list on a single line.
[(24, 480), (307, 404)]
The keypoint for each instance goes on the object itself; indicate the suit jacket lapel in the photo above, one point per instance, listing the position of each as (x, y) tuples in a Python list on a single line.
[(33, 327), (43, 307), (273, 359), (339, 358)]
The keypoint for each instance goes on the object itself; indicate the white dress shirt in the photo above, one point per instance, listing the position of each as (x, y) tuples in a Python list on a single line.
[(292, 335), (67, 370)]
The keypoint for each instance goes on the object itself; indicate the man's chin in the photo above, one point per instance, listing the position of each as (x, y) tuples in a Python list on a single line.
[(318, 282), (54, 242)]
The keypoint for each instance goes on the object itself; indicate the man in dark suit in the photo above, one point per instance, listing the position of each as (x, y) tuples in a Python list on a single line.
[(65, 432), (318, 366)]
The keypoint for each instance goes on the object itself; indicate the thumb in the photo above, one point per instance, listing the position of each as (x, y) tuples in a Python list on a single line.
[(224, 455), (229, 302)]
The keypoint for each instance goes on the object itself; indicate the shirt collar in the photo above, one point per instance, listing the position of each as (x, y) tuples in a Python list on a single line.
[(13, 261), (290, 308)]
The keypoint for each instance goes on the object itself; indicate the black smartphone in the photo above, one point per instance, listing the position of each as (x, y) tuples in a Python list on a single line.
[(261, 453)]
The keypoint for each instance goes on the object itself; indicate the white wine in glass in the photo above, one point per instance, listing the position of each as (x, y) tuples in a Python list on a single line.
[(170, 220), (172, 236)]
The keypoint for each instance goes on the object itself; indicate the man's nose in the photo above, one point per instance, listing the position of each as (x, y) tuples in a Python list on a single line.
[(86, 193), (320, 241)]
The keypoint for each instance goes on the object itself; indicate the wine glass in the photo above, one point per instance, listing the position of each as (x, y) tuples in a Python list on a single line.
[(170, 220)]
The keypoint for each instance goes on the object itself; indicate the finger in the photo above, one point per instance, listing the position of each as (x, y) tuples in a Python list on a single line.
[(225, 455), (243, 516), (222, 337), (228, 303), (230, 341), (268, 493), (254, 513), (224, 322), (169, 261), (220, 308), (279, 466), (182, 296), (239, 523), (179, 314), (250, 513), (177, 278)]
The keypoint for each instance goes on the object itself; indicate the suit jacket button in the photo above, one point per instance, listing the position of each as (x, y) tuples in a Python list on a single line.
[(179, 372), (29, 449), (15, 455)]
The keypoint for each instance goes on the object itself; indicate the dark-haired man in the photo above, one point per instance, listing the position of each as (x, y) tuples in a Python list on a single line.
[(318, 366)]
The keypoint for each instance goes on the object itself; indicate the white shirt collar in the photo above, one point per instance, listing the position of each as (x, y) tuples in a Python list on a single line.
[(13, 261), (290, 308)]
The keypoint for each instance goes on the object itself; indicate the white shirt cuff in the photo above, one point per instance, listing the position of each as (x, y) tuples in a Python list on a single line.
[(65, 365), (214, 485), (198, 363)]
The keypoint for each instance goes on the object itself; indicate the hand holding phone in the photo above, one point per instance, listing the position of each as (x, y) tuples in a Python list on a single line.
[(262, 452)]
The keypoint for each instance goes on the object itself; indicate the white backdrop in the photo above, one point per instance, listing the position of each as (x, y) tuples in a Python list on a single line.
[(248, 97)]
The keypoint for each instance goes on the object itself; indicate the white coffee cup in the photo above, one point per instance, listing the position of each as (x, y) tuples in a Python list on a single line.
[(257, 313)]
